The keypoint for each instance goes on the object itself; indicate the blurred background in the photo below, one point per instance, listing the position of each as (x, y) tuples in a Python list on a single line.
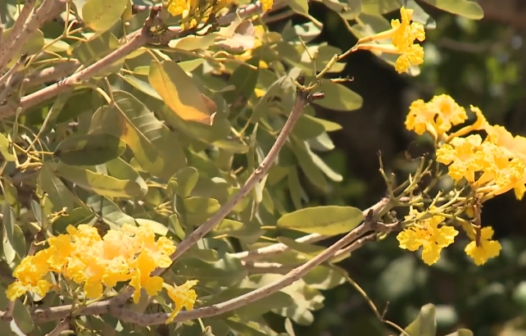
[(476, 62)]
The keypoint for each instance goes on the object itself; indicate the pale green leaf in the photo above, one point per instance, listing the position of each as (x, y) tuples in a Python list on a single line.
[(179, 92), (101, 15), (325, 220)]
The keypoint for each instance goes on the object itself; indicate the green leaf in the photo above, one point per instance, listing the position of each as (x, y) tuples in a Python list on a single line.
[(303, 248), (296, 190), (33, 45), (123, 170), (283, 91), (465, 8), (110, 213), (395, 280), (92, 50), (57, 191), (338, 97), (424, 324), (307, 164), (155, 147), (243, 231), (101, 15), (305, 298), (103, 185), (325, 220), (328, 126), (225, 272), (6, 148), (22, 318), (245, 329), (89, 149), (19, 242), (192, 42), (323, 277), (10, 192), (8, 239), (157, 227), (199, 209), (255, 309), (375, 7), (179, 92), (244, 79), (306, 128), (186, 180), (461, 332), (77, 216), (420, 16)]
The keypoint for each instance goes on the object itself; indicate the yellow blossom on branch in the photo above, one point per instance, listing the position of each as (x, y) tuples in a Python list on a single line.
[(96, 262), (428, 235), (436, 116), (183, 297), (486, 249), (402, 34)]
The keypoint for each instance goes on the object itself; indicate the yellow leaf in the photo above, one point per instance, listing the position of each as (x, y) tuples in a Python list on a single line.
[(179, 92)]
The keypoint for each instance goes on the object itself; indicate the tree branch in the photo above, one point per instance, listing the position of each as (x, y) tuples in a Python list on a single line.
[(303, 98), (62, 326), (135, 40), (47, 10), (214, 310), (6, 48), (51, 74), (117, 310), (278, 248)]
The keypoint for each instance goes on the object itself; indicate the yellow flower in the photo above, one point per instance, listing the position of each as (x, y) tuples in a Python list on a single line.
[(502, 171), (413, 55), (402, 35), (487, 248), (419, 117), (266, 5), (177, 7), (461, 157), (436, 116), (85, 258), (29, 274), (480, 124), (183, 297), (141, 279), (429, 236)]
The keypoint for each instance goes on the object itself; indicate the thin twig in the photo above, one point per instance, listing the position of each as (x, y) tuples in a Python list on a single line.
[(47, 10), (278, 248), (257, 294), (51, 74), (62, 326), (302, 99), (135, 40), (104, 307)]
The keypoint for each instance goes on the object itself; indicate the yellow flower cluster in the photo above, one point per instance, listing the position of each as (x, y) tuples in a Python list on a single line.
[(98, 263), (194, 9), (491, 166), (433, 235), (429, 236), (403, 35)]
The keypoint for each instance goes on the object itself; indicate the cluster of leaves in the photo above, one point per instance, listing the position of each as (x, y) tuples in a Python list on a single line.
[(118, 114)]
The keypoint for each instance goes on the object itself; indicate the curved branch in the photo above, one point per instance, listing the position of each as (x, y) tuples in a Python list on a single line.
[(278, 248), (291, 277)]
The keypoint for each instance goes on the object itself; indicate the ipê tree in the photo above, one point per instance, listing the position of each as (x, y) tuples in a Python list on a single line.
[(151, 157)]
